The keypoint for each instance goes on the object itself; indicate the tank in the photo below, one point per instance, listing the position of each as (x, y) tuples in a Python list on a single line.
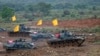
[(23, 28), (23, 32), (18, 44), (40, 35), (65, 38)]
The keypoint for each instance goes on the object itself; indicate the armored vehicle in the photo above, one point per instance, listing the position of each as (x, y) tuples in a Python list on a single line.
[(23, 32), (40, 35), (65, 38), (1, 29), (18, 44)]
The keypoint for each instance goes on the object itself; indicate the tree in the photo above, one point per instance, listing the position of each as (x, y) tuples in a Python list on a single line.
[(7, 13), (43, 7), (30, 8), (80, 6), (66, 12), (59, 6), (81, 12), (40, 9), (94, 8), (63, 6)]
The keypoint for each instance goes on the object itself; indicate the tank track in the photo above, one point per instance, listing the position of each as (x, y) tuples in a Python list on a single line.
[(63, 43), (18, 34)]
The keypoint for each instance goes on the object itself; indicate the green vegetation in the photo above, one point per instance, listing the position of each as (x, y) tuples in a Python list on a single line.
[(7, 13), (28, 10), (48, 9)]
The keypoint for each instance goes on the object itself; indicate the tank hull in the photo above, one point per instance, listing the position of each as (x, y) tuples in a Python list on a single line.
[(66, 42), (18, 34)]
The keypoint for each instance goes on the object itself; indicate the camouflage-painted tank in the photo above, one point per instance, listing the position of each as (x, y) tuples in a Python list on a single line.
[(18, 44), (40, 35), (66, 38), (23, 32)]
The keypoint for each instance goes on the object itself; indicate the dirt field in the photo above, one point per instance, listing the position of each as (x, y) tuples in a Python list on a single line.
[(87, 49), (83, 23)]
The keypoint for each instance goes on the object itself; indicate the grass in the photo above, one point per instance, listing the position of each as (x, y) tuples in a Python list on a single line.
[(59, 12), (10, 26), (55, 13)]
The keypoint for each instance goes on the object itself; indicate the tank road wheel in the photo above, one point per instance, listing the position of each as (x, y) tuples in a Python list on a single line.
[(9, 50), (64, 43), (60, 44), (49, 43), (68, 43), (52, 44), (72, 43), (57, 44)]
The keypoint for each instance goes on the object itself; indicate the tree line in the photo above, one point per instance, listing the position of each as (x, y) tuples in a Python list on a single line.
[(38, 10)]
